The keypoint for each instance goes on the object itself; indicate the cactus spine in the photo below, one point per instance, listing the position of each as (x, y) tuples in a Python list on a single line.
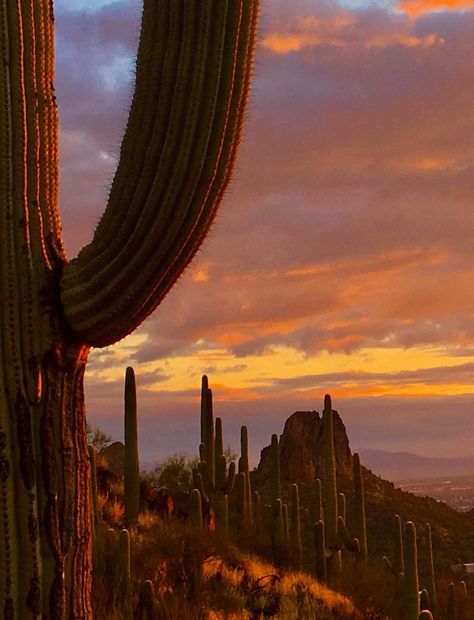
[(131, 468), (193, 73)]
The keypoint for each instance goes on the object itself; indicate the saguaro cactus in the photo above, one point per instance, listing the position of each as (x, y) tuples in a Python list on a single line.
[(193, 71), (131, 468)]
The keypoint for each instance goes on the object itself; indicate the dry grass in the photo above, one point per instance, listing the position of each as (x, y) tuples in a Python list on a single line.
[(197, 577)]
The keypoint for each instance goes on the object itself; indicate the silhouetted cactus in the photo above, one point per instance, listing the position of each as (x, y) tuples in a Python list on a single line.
[(411, 601), (147, 607), (359, 527), (277, 532), (195, 509), (244, 467), (215, 480), (296, 552), (275, 478), (330, 497), (319, 512), (431, 583), (320, 543), (397, 565), (123, 580), (192, 79), (131, 468)]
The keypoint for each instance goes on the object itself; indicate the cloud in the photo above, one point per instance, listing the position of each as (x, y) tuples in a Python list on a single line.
[(415, 8), (348, 224)]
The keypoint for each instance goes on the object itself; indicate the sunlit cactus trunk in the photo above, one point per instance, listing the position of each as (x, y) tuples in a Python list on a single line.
[(193, 72)]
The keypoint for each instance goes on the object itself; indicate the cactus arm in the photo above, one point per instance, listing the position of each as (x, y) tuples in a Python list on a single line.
[(345, 538), (167, 188)]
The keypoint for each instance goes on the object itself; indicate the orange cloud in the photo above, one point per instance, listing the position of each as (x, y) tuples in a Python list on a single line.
[(415, 8)]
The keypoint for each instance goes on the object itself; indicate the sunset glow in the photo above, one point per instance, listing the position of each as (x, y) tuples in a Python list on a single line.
[(342, 258)]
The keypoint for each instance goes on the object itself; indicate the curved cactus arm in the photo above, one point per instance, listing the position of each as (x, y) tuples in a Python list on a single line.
[(345, 538), (199, 485), (193, 71)]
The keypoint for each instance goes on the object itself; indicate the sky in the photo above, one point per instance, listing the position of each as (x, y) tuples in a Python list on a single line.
[(342, 259)]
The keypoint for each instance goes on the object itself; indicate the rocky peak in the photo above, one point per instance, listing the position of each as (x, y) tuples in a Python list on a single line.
[(301, 448)]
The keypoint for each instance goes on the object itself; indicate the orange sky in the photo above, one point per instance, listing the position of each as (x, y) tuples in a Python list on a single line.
[(342, 260)]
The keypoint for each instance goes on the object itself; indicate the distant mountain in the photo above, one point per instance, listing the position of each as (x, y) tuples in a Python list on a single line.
[(301, 461), (403, 466)]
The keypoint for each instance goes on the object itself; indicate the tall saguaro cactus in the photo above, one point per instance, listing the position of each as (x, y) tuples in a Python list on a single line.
[(193, 72), (131, 466)]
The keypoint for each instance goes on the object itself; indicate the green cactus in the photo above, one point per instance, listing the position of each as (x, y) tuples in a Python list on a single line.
[(195, 509), (193, 72), (275, 477), (296, 551), (131, 468)]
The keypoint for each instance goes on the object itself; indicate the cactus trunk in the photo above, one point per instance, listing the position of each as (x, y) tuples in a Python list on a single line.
[(131, 468), (193, 71)]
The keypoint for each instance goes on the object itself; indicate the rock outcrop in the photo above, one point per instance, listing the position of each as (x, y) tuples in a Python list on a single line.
[(301, 448)]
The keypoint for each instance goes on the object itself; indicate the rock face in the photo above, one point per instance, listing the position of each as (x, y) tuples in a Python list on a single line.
[(301, 448), (114, 454)]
